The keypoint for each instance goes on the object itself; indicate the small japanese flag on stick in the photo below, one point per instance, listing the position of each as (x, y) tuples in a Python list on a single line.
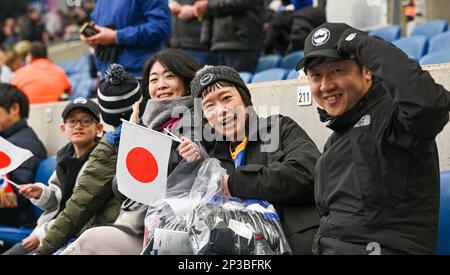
[(11, 156), (142, 163)]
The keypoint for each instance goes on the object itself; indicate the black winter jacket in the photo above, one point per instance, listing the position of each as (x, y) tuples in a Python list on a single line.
[(283, 176), (21, 135), (186, 34), (237, 24), (378, 178)]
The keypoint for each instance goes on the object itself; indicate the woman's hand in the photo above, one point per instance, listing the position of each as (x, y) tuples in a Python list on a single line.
[(135, 115), (189, 150)]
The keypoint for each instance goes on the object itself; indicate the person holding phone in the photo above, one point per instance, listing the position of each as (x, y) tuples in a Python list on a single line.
[(127, 32)]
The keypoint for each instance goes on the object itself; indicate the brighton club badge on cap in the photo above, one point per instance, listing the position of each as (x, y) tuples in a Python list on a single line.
[(320, 37)]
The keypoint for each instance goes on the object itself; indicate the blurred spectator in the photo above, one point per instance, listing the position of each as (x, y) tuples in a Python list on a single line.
[(237, 31), (304, 21), (71, 31), (5, 71), (54, 24), (14, 109), (41, 80), (281, 5), (288, 30), (186, 31), (9, 32), (299, 4), (14, 61), (129, 31), (22, 48), (31, 28)]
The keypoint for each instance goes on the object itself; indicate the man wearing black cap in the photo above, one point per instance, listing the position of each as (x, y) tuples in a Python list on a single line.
[(377, 182), (269, 159)]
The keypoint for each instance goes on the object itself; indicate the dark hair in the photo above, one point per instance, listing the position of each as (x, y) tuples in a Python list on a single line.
[(177, 61), (38, 50), (9, 95)]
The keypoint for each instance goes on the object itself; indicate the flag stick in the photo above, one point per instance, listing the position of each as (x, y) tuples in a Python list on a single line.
[(172, 135), (10, 181)]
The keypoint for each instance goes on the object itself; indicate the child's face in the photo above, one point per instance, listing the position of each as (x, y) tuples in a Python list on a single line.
[(226, 112), (80, 128)]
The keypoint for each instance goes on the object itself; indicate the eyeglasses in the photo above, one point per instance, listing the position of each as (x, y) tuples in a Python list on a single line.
[(85, 122)]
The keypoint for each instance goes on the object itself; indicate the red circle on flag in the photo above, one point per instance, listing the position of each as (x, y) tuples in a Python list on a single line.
[(5, 161), (142, 165)]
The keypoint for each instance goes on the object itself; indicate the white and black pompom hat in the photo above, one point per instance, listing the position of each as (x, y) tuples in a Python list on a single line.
[(117, 93)]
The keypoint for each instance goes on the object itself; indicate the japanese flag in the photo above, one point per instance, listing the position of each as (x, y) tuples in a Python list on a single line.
[(11, 156), (142, 163)]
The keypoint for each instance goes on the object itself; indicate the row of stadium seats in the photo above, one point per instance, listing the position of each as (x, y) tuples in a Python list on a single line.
[(80, 80), (286, 62), (429, 43), (273, 74)]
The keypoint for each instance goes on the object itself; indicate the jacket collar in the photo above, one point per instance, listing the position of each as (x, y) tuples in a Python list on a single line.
[(342, 123), (21, 124), (255, 127)]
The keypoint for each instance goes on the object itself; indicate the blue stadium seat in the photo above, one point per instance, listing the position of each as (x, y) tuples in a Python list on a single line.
[(289, 61), (436, 58), (388, 33), (270, 75), (444, 216), (430, 28), (12, 235), (440, 42), (246, 76), (268, 62), (293, 74), (82, 85), (80, 80), (414, 46)]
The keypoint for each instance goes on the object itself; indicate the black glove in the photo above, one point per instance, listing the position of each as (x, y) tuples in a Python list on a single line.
[(348, 43)]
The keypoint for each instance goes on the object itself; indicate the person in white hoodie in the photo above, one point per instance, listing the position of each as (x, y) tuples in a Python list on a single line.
[(82, 128)]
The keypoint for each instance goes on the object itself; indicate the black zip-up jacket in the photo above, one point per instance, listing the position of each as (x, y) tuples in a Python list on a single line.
[(284, 176), (237, 24), (23, 136), (378, 178), (186, 34)]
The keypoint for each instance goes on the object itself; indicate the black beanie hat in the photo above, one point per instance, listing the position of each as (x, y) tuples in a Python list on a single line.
[(209, 75), (117, 93)]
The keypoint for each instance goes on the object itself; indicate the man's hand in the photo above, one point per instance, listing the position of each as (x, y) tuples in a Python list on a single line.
[(200, 8), (186, 12), (105, 37), (174, 7), (224, 186), (189, 150), (31, 191), (348, 43), (30, 243)]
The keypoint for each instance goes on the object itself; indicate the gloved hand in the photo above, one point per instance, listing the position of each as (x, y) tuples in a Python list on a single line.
[(347, 44)]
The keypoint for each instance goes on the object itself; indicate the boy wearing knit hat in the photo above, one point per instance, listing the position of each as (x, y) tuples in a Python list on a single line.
[(280, 174)]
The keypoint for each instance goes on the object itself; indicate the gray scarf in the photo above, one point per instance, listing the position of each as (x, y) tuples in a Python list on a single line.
[(157, 112)]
